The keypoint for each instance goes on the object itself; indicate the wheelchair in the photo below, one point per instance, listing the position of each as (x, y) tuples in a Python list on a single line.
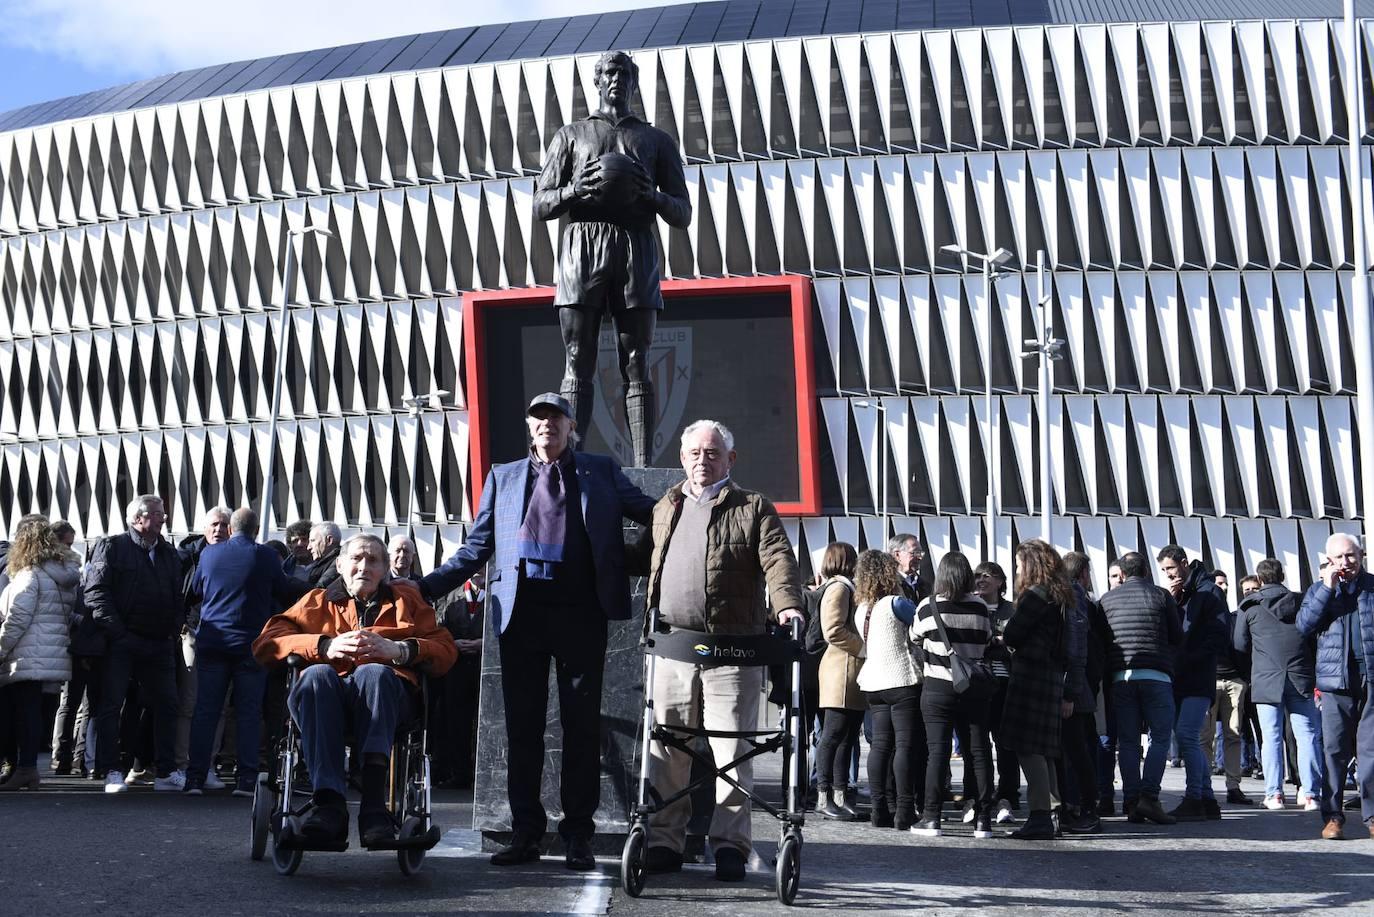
[(282, 794), (778, 651)]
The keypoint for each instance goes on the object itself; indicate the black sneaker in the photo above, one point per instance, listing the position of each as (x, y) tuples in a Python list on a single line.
[(1147, 808), (662, 859), (1083, 823), (1236, 797), (1212, 808), (982, 826), (326, 822), (927, 827), (578, 855), (244, 786), (729, 865), (1106, 808), (1189, 810), (881, 815)]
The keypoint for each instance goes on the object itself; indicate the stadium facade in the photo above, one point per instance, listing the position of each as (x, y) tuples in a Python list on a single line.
[(1186, 178)]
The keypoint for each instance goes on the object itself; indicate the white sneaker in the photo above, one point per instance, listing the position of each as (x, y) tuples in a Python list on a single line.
[(114, 782), (970, 813), (212, 781), (1273, 803), (137, 778), (174, 782), (1004, 815), (1311, 805)]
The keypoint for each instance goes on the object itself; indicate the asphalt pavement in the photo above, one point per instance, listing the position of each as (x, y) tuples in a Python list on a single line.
[(68, 849)]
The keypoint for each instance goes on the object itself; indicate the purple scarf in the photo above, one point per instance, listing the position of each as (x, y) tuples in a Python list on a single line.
[(541, 536)]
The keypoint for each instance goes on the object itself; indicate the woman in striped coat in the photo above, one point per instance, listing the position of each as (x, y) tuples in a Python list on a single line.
[(969, 626)]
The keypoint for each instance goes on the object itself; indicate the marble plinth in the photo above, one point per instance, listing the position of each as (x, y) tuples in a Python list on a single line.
[(622, 701)]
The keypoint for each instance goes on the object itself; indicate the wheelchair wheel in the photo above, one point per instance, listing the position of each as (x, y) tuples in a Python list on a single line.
[(261, 817), (789, 868), (287, 860), (411, 858), (632, 862)]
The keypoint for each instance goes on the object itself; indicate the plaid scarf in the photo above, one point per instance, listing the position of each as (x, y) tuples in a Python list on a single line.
[(542, 534)]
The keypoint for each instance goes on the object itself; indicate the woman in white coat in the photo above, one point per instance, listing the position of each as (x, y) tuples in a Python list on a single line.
[(35, 611)]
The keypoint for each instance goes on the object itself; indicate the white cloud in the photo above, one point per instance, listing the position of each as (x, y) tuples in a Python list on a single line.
[(144, 37)]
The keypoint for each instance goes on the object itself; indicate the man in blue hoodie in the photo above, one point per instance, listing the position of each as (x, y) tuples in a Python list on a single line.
[(1338, 610), (1206, 634), (241, 584)]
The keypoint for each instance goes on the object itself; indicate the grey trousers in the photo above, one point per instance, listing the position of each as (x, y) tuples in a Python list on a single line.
[(724, 698)]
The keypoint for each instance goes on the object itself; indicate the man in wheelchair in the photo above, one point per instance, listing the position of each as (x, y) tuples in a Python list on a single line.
[(364, 641)]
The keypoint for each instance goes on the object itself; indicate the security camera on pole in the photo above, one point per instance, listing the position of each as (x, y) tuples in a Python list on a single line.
[(993, 265)]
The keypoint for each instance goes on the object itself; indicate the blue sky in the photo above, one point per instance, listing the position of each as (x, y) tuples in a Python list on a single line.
[(55, 48)]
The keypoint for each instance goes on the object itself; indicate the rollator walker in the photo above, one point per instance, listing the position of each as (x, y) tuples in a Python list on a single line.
[(282, 794), (782, 651)]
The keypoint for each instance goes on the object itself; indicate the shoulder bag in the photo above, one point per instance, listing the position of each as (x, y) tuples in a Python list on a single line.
[(971, 677)]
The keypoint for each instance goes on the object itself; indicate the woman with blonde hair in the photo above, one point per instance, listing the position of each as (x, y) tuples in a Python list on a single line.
[(34, 618), (1034, 706), (891, 682)]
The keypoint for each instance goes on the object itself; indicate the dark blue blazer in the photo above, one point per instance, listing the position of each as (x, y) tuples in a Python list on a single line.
[(607, 496)]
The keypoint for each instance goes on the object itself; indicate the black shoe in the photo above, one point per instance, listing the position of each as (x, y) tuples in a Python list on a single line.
[(881, 815), (1212, 808), (1147, 808), (828, 809), (1084, 823), (982, 826), (662, 859), (1236, 797), (326, 822), (1189, 810), (1039, 826), (729, 865), (1247, 771), (521, 850), (904, 819), (1106, 808), (927, 827), (62, 770), (577, 854), (376, 827)]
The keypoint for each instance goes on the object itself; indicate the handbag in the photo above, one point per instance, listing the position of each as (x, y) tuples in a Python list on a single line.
[(971, 677)]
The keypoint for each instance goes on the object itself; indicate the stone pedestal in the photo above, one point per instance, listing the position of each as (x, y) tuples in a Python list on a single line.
[(622, 707)]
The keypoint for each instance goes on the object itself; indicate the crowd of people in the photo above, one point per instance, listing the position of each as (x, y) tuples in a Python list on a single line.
[(135, 664), (164, 666), (1060, 686)]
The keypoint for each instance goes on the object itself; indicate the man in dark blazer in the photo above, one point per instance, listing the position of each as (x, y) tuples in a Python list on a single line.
[(550, 526)]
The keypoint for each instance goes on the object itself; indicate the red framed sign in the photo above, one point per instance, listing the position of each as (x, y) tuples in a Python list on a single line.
[(735, 349)]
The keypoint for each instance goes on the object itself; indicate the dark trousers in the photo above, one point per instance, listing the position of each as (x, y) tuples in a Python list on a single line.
[(1008, 766), (21, 709), (1106, 749), (453, 720), (150, 663), (1348, 731), (371, 704), (573, 639), (214, 672), (68, 742), (1079, 747), (896, 724), (940, 707), (839, 733)]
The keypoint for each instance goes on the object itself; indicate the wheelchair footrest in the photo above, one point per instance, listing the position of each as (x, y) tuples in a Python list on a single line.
[(425, 841), (290, 839)]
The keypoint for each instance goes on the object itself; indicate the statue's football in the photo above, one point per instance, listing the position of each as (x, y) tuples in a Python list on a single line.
[(618, 173)]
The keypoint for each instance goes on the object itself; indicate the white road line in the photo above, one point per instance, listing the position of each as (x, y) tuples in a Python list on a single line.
[(592, 897)]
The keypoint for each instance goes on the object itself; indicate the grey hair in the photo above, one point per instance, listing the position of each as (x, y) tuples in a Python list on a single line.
[(330, 530), (406, 538), (898, 541), (363, 538), (140, 505), (212, 512), (721, 429), (1352, 539), (244, 520)]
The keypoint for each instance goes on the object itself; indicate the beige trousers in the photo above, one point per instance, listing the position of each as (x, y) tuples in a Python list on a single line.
[(723, 698), (1229, 707)]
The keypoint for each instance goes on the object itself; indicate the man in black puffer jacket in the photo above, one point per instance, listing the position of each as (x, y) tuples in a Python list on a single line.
[(133, 591), (1142, 629), (1206, 636)]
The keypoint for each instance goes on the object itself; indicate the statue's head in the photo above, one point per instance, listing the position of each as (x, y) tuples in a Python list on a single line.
[(616, 76)]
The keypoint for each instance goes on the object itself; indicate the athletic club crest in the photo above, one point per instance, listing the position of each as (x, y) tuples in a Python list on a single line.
[(670, 371)]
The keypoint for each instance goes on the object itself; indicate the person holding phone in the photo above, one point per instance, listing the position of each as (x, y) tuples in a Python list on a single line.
[(1338, 610)]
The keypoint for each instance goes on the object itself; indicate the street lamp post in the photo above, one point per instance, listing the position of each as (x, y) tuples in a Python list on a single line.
[(992, 272), (288, 288), (1048, 348), (1359, 289), (414, 405)]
